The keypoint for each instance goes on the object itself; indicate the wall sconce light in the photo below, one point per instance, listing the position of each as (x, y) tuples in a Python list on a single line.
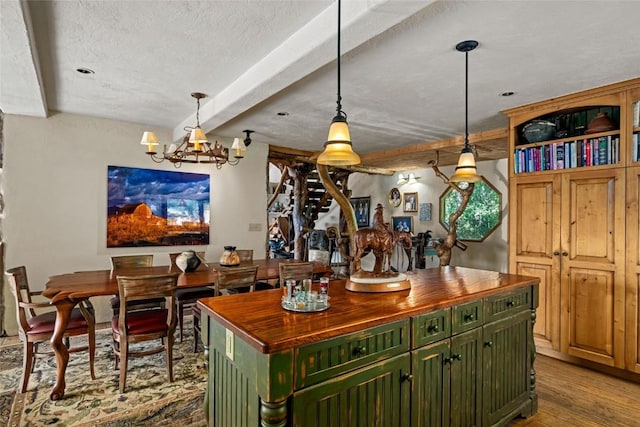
[(411, 179)]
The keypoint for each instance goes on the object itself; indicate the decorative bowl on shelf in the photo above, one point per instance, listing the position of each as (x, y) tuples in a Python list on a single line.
[(601, 123), (538, 130)]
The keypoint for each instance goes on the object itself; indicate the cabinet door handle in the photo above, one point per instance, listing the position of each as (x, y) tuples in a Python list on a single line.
[(456, 356), (510, 303), (565, 253), (468, 317), (360, 351), (406, 377), (488, 343), (446, 360), (556, 253), (433, 328)]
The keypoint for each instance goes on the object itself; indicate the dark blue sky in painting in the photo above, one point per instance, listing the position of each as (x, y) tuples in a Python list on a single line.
[(157, 188)]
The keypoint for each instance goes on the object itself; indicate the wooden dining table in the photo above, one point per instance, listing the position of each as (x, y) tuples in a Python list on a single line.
[(67, 290)]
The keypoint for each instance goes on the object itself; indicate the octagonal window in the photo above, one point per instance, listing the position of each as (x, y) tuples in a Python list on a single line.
[(481, 216)]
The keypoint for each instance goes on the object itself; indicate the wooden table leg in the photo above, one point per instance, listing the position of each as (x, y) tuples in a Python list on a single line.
[(63, 312)]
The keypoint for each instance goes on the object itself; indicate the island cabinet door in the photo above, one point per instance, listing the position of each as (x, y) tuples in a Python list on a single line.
[(447, 380), (506, 376), (373, 396)]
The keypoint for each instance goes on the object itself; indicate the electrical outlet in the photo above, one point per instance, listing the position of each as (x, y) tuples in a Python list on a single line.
[(229, 344)]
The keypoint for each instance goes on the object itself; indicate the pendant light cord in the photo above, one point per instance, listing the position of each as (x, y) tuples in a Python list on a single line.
[(339, 101), (466, 99)]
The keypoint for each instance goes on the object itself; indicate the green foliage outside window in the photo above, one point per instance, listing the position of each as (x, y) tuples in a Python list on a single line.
[(481, 216)]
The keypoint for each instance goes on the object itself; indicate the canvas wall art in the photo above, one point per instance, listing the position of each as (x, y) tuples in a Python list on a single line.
[(425, 211), (148, 207)]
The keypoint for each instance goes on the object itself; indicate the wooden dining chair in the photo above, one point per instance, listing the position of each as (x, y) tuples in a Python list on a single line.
[(186, 297), (36, 328), (227, 278), (245, 254), (133, 261), (295, 271), (144, 325)]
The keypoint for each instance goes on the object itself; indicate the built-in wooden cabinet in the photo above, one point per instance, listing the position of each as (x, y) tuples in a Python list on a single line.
[(576, 226), (632, 277)]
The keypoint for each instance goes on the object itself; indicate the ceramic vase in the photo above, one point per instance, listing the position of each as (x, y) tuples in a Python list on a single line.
[(188, 261), (230, 257)]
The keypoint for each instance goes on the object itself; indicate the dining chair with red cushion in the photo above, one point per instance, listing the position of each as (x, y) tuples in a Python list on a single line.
[(144, 325), (121, 262), (34, 328)]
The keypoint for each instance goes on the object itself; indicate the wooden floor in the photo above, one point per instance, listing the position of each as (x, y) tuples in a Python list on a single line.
[(569, 395)]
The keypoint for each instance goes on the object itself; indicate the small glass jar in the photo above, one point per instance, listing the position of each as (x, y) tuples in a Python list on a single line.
[(324, 290)]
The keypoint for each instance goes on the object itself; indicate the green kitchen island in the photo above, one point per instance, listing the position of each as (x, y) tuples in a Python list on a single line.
[(455, 350)]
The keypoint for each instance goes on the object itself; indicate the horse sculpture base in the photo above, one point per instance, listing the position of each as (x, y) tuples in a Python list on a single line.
[(363, 282)]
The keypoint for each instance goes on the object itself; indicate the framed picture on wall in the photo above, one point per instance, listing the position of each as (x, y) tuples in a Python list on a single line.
[(402, 223), (148, 207), (362, 208), (425, 211), (395, 198), (410, 202)]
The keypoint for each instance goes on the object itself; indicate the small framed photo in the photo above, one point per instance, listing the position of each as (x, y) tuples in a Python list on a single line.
[(394, 197), (402, 223), (425, 211), (362, 208), (410, 202)]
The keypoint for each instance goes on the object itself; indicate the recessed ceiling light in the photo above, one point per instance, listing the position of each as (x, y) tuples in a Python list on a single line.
[(83, 70), (282, 113), (508, 93)]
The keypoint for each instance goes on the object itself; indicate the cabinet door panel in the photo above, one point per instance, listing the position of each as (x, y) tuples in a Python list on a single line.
[(590, 215), (593, 285), (430, 386), (632, 277), (546, 330), (372, 396), (534, 246), (466, 379), (535, 217), (507, 366)]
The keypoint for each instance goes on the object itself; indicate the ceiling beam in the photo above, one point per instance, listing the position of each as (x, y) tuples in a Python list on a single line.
[(304, 52), (19, 62), (290, 156)]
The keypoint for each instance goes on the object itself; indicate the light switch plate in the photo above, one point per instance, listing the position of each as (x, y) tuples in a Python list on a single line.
[(229, 344)]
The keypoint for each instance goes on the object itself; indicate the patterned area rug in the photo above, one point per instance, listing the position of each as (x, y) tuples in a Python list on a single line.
[(148, 399)]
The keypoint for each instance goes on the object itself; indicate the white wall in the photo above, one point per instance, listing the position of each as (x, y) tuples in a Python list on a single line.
[(491, 254), (55, 181)]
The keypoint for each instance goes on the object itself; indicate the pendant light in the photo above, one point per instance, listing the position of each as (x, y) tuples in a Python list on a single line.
[(466, 170), (338, 150)]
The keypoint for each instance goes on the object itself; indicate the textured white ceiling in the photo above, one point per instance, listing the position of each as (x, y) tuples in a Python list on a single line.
[(402, 79)]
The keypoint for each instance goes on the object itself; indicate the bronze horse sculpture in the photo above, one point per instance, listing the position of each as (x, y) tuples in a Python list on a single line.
[(381, 242)]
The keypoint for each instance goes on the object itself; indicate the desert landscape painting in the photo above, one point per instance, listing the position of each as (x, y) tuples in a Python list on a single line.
[(148, 207)]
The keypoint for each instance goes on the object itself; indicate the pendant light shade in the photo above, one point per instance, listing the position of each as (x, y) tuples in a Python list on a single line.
[(338, 150), (466, 170)]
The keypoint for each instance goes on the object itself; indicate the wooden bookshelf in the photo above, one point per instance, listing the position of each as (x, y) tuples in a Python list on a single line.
[(575, 226)]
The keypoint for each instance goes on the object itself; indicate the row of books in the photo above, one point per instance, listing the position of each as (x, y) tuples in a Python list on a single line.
[(565, 155), (635, 147), (636, 114)]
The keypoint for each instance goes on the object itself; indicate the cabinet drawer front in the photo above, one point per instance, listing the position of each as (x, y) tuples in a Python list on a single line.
[(322, 360), (431, 327), (499, 306), (466, 316)]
